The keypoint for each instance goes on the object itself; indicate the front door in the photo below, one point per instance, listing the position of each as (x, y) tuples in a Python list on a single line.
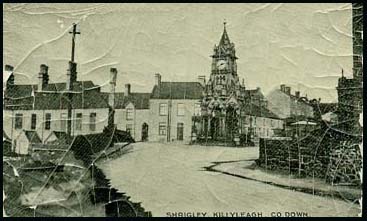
[(180, 131), (144, 132)]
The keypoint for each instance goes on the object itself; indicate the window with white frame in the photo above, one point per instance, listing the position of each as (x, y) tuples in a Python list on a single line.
[(129, 114), (162, 129), (163, 109), (78, 121)]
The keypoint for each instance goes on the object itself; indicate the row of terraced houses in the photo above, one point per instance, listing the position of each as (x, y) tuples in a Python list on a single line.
[(166, 114)]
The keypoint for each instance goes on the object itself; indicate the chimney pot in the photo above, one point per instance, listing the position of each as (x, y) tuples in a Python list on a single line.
[(282, 87), (287, 90), (297, 93), (111, 97), (113, 76), (43, 77), (127, 89), (158, 79), (9, 68)]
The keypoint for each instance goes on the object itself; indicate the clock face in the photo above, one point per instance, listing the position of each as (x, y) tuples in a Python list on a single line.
[(221, 64)]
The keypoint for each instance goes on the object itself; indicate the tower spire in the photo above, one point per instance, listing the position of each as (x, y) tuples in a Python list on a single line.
[(225, 39)]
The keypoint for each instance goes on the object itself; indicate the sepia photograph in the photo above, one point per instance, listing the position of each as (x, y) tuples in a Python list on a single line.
[(182, 110)]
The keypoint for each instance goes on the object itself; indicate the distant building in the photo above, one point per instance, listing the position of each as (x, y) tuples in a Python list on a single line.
[(172, 105), (43, 108), (132, 113), (287, 105)]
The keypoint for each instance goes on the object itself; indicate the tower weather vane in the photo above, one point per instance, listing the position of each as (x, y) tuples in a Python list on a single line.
[(73, 32)]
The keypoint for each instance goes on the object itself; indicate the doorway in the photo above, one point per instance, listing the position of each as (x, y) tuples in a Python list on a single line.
[(180, 131), (144, 132)]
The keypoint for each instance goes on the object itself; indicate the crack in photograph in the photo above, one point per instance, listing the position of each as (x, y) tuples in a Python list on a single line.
[(182, 110)]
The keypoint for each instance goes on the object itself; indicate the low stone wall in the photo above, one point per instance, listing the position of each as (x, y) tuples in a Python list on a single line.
[(345, 164), (322, 155)]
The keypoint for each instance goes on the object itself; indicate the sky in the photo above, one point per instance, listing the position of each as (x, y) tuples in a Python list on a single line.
[(302, 45)]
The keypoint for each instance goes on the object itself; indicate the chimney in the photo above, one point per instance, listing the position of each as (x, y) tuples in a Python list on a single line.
[(282, 87), (71, 76), (43, 77), (127, 89), (202, 80), (158, 79), (111, 98), (10, 80), (287, 90), (297, 93), (9, 68)]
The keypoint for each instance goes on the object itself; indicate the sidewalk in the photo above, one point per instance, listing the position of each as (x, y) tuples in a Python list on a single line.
[(249, 170)]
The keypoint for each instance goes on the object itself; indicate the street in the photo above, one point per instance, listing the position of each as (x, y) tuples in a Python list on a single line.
[(170, 178)]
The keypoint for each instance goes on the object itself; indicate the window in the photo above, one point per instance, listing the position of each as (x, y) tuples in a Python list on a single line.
[(18, 121), (129, 128), (129, 114), (163, 109), (78, 121), (48, 121), (63, 121), (180, 110), (162, 128), (92, 121), (33, 121)]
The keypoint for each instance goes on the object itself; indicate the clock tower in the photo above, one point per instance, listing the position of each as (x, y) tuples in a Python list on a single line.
[(223, 79), (223, 96)]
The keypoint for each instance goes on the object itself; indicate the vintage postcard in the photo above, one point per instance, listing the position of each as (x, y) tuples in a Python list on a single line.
[(182, 110)]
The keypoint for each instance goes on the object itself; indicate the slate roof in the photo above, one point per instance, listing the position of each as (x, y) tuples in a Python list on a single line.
[(25, 90), (140, 100), (32, 136), (25, 97), (177, 90)]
